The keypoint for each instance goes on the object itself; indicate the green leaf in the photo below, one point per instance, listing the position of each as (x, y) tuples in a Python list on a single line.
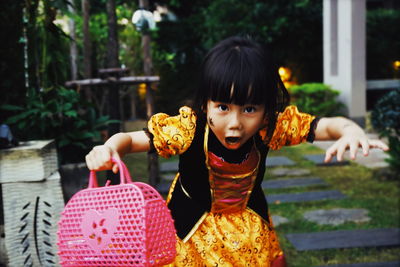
[(87, 135), (16, 118), (11, 107), (71, 113), (64, 142), (80, 123)]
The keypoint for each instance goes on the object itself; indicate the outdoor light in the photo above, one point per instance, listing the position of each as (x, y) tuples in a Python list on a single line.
[(285, 73), (143, 20), (396, 65), (286, 76)]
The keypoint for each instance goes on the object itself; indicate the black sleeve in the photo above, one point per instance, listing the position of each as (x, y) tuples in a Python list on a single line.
[(313, 126), (151, 137)]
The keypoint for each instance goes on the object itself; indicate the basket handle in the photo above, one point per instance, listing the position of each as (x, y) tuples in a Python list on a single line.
[(125, 177)]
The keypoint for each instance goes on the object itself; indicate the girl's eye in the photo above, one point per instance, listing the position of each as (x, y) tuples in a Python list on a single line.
[(249, 109), (223, 107)]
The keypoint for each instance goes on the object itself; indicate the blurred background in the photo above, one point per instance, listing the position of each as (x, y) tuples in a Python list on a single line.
[(48, 43)]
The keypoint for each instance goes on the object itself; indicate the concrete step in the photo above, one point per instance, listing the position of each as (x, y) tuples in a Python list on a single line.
[(318, 159), (345, 239), (293, 182), (367, 264), (170, 166), (275, 161), (305, 196)]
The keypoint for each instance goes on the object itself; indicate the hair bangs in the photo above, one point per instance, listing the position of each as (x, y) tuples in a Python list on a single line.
[(239, 79)]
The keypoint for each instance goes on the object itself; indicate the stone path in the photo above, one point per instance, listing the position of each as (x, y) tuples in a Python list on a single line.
[(345, 239), (168, 176), (337, 216), (277, 172), (163, 187), (170, 166), (278, 220), (367, 264), (168, 171), (318, 159), (278, 161), (293, 182), (305, 196)]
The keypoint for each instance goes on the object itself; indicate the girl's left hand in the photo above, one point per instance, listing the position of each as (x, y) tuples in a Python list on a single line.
[(353, 142)]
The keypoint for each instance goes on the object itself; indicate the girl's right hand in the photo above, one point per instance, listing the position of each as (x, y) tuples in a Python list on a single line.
[(99, 159)]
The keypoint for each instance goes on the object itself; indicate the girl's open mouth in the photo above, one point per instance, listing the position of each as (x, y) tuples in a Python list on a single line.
[(232, 140)]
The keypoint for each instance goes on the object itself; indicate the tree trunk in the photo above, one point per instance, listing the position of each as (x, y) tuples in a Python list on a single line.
[(33, 67), (73, 47), (112, 45), (154, 176), (113, 89), (147, 67), (113, 62), (87, 47)]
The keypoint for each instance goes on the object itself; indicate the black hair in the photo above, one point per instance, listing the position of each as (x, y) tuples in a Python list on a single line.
[(239, 70)]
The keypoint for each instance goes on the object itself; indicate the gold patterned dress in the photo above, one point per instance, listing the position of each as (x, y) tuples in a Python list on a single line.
[(229, 232)]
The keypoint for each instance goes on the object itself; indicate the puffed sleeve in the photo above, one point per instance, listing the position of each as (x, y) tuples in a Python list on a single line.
[(292, 128), (172, 135)]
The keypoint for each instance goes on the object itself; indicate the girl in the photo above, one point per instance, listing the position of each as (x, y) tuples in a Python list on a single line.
[(240, 112)]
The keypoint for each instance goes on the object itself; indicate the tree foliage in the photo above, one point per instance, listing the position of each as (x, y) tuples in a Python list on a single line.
[(385, 118), (59, 114), (383, 43), (292, 30), (316, 98)]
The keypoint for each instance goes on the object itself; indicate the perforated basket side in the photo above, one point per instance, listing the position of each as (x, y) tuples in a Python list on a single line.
[(127, 243), (160, 230)]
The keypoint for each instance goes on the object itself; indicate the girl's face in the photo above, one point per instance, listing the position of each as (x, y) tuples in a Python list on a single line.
[(233, 124)]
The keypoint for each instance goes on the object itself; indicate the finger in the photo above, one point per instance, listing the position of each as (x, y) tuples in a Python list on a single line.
[(340, 151), (97, 160), (106, 157), (365, 146), (330, 152), (329, 155), (353, 150), (115, 168), (117, 156), (89, 162), (379, 144)]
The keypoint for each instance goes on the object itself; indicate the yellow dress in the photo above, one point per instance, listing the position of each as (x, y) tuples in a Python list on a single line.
[(230, 234)]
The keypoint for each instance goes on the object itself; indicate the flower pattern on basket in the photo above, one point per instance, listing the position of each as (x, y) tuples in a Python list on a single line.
[(98, 228)]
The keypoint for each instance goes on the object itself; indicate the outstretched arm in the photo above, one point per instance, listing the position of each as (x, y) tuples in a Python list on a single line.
[(99, 158), (348, 135)]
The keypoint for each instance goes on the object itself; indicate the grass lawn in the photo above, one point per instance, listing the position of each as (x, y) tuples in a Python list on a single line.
[(363, 188)]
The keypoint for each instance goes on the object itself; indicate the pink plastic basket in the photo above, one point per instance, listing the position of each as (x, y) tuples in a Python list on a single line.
[(119, 225)]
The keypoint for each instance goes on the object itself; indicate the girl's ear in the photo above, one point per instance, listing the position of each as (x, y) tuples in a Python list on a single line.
[(204, 108), (265, 121)]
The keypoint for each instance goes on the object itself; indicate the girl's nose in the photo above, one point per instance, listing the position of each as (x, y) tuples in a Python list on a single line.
[(234, 121)]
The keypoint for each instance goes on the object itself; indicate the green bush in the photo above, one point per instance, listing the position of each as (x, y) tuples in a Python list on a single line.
[(59, 114), (385, 118), (317, 99)]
